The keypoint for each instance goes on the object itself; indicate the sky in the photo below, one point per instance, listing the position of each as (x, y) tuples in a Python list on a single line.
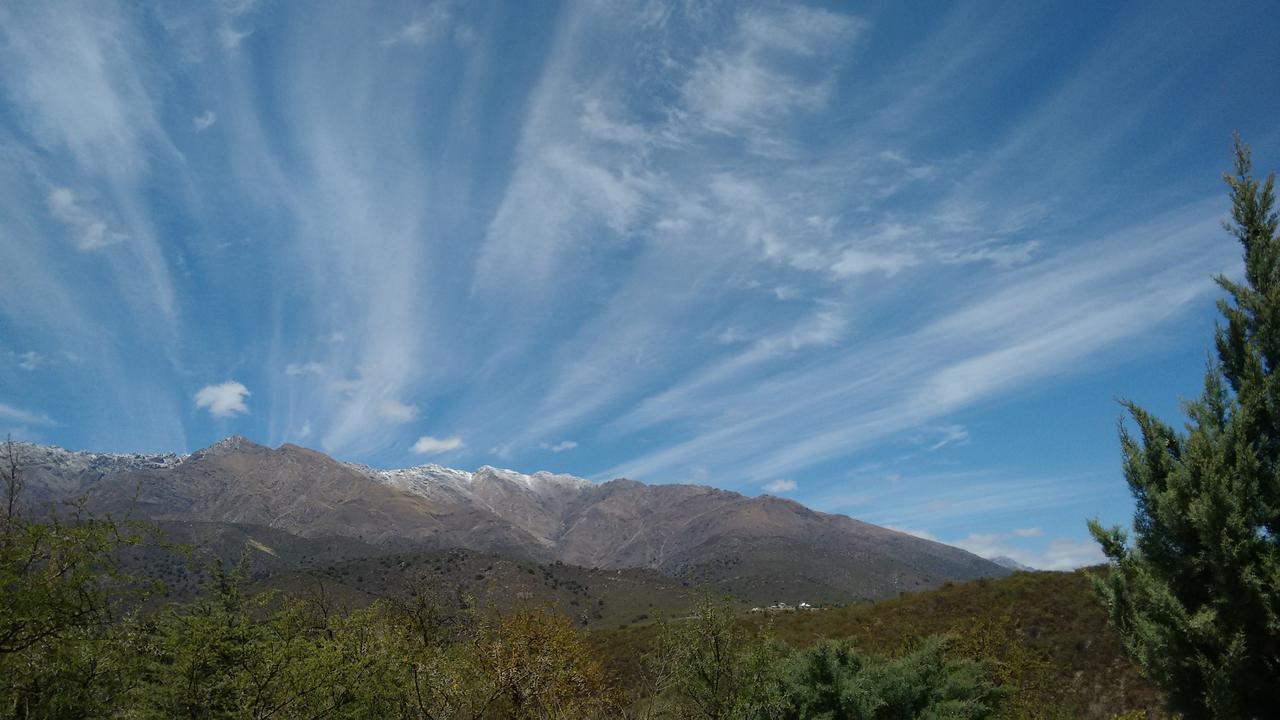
[(890, 259)]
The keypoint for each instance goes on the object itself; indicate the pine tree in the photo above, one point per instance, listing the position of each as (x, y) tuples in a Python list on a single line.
[(1196, 597)]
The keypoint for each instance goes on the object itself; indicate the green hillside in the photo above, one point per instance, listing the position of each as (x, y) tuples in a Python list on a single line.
[(1046, 630)]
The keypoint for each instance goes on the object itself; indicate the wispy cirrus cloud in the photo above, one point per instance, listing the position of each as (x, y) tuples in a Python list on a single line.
[(1080, 304), (721, 243), (750, 84), (307, 368), (438, 19), (30, 360), (89, 231), (11, 413), (398, 412)]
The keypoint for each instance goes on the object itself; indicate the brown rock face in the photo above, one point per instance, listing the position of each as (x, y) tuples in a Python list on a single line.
[(763, 548)]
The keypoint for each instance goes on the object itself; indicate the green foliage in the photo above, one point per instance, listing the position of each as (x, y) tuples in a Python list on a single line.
[(228, 656), (1028, 676), (60, 592), (832, 681), (1196, 597), (234, 657), (1042, 635), (715, 670), (68, 649)]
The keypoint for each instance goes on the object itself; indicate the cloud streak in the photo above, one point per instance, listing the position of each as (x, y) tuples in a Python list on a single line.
[(729, 244), (26, 417), (428, 445)]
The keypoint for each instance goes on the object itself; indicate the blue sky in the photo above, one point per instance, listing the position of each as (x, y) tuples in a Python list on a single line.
[(889, 259)]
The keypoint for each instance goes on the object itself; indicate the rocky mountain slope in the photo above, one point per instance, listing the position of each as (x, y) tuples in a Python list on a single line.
[(760, 548), (349, 573)]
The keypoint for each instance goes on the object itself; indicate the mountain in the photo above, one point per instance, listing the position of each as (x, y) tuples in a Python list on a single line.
[(1008, 562), (761, 549), (351, 573)]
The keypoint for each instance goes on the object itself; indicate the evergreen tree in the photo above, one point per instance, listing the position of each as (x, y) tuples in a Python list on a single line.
[(1196, 597)]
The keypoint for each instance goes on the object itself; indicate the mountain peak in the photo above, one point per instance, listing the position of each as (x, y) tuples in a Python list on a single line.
[(1005, 561), (231, 444), (539, 480)]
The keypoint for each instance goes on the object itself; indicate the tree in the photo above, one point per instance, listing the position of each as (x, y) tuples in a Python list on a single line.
[(61, 589), (716, 671), (1195, 597)]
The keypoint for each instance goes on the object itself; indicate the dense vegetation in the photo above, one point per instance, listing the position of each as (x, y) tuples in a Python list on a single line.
[(78, 641), (80, 637), (1041, 635), (84, 639), (1197, 598)]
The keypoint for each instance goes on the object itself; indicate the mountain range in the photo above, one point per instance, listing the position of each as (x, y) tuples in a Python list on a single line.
[(758, 549)]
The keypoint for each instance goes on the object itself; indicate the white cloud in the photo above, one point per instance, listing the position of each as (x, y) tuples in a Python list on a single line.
[(746, 86), (223, 400), (427, 445), (560, 446), (229, 37), (90, 231), (1005, 256), (822, 327), (780, 486), (232, 12), (204, 121), (1057, 554), (309, 368), (16, 414), (950, 435), (30, 360), (1048, 319), (335, 337), (1064, 554), (1028, 532), (305, 432), (416, 33), (859, 262), (922, 534), (398, 412), (425, 28)]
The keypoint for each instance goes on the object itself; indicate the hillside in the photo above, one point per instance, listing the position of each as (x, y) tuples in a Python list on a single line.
[(1046, 628), (353, 574), (759, 549)]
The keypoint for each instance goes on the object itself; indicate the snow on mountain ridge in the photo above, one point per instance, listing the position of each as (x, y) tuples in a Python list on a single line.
[(538, 480), (429, 480), (53, 456)]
